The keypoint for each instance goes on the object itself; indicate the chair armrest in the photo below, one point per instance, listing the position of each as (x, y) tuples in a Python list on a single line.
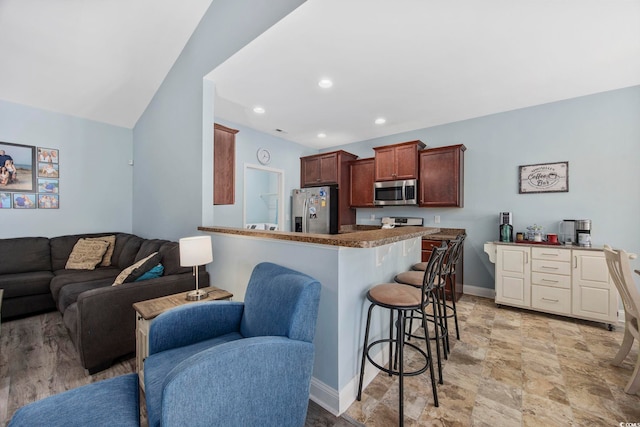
[(192, 323), (253, 381)]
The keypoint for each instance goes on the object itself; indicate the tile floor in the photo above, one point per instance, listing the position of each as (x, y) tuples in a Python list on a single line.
[(514, 367)]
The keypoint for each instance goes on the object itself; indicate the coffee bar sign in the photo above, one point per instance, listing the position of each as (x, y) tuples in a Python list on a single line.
[(544, 178)]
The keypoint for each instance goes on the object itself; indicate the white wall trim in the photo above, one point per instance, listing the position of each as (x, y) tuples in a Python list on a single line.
[(479, 291)]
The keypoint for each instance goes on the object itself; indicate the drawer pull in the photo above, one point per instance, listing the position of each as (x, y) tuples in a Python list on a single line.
[(550, 281), (549, 268), (546, 254), (549, 299)]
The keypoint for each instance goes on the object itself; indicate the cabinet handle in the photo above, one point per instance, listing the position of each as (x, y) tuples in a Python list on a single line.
[(575, 261), (550, 300), (548, 268), (550, 281), (526, 257), (549, 254)]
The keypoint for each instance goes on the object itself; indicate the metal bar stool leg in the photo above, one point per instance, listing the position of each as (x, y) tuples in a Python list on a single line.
[(430, 356), (364, 351), (453, 304)]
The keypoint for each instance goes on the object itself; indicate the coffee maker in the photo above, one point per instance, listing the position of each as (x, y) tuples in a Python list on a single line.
[(583, 232), (506, 227)]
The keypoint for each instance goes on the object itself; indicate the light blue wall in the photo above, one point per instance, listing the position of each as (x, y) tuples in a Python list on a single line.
[(95, 177), (285, 155), (599, 135), (169, 181)]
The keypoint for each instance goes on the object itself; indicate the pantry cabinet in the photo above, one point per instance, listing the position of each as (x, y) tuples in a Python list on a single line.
[(224, 165), (441, 182), (397, 161), (570, 282)]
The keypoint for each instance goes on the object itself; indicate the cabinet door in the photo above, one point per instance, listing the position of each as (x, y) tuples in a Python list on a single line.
[(224, 165), (385, 169), (513, 276), (361, 177), (594, 294), (442, 177), (406, 162), (319, 170)]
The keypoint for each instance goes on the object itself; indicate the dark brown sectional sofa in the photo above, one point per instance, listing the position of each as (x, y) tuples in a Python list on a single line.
[(99, 317)]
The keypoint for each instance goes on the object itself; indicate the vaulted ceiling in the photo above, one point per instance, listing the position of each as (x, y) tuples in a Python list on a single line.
[(416, 63)]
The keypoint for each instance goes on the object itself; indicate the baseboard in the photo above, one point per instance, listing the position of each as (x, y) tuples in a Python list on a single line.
[(325, 396), (479, 291)]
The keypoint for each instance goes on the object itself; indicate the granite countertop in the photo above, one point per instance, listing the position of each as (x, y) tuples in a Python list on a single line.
[(351, 237), (446, 234)]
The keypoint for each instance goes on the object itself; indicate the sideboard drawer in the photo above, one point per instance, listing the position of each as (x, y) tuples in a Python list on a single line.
[(555, 280), (551, 267), (546, 298), (551, 254)]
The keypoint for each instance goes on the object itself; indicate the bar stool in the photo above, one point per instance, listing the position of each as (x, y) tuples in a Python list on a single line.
[(449, 272), (438, 318), (403, 299)]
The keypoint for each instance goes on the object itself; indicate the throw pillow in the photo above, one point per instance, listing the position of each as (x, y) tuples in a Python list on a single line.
[(86, 254), (106, 258), (136, 270), (154, 273)]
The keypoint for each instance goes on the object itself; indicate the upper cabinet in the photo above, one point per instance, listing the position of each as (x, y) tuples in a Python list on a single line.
[(442, 177), (224, 165), (397, 161), (362, 179), (325, 168)]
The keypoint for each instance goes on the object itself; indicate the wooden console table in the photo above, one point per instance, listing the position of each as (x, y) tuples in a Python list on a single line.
[(147, 310)]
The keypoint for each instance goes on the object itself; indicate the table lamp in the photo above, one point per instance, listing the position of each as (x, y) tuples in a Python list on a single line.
[(194, 252)]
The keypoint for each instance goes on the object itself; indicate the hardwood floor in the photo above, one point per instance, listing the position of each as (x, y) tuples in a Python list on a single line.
[(37, 359)]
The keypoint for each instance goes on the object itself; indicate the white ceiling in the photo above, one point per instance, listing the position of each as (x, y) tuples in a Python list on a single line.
[(96, 59), (419, 63)]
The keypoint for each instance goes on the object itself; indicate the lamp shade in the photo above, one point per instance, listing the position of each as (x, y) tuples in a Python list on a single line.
[(195, 251)]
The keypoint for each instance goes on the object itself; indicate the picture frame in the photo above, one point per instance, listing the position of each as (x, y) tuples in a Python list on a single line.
[(23, 159), (48, 201), (6, 201), (24, 200), (48, 185), (544, 178), (48, 170), (46, 155)]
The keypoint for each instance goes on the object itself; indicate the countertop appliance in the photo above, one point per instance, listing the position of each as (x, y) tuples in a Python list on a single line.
[(315, 210), (567, 231), (506, 226), (404, 192), (583, 232), (400, 221)]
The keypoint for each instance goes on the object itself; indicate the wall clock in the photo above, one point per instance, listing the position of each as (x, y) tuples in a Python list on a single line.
[(264, 156)]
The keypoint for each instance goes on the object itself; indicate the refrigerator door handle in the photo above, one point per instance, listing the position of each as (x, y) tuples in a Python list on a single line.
[(305, 216)]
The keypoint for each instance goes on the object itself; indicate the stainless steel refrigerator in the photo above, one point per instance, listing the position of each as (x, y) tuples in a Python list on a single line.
[(315, 210)]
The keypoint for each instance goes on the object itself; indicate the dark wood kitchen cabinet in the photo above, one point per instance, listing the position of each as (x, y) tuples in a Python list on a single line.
[(441, 182), (362, 179), (331, 169), (397, 161), (324, 168), (224, 165)]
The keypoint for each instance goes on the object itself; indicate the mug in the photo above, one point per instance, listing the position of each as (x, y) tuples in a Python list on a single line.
[(552, 238)]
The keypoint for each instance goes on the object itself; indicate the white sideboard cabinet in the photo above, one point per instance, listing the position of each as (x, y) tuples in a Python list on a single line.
[(571, 282)]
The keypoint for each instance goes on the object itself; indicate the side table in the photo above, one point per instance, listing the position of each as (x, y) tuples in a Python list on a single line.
[(147, 310)]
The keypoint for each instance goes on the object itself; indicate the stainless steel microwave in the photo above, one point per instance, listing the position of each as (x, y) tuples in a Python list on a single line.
[(403, 192)]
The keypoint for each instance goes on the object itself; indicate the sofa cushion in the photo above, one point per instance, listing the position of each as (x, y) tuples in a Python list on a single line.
[(124, 253), (23, 284), (62, 246), (170, 252), (24, 254), (136, 270), (65, 277), (106, 258), (148, 247), (69, 293), (86, 254)]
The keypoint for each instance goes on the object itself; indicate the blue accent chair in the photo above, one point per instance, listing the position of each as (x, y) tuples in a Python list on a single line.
[(236, 364), (112, 402)]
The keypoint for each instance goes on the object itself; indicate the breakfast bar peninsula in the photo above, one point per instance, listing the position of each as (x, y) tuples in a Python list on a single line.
[(347, 265)]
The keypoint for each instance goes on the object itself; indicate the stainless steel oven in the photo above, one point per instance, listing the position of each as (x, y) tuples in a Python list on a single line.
[(403, 192)]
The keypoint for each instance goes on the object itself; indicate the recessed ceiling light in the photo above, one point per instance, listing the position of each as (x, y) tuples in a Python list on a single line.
[(258, 110), (380, 121), (325, 83), (322, 135)]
